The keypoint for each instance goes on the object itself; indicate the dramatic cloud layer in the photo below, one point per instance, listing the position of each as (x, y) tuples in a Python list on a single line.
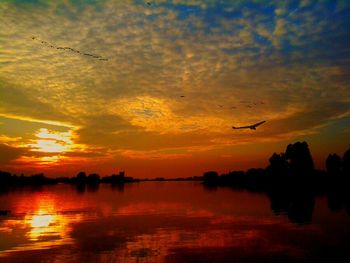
[(173, 78)]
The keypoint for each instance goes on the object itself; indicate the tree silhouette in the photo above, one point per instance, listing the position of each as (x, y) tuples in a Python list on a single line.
[(346, 162), (210, 177), (93, 178), (299, 158), (81, 177), (278, 164), (333, 164)]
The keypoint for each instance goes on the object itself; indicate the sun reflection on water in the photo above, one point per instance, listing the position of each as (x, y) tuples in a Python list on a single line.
[(40, 221), (44, 225)]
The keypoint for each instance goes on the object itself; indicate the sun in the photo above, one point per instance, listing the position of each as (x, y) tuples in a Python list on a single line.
[(52, 142)]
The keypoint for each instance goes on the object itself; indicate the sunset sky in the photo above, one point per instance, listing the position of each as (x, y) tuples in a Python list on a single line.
[(161, 84)]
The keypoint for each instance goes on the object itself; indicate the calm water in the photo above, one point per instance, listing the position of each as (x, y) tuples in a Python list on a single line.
[(165, 222)]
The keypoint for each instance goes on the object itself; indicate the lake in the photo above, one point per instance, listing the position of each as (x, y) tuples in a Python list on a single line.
[(168, 222)]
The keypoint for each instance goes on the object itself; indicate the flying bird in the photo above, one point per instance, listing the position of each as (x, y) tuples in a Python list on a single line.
[(252, 127), (70, 49), (182, 96)]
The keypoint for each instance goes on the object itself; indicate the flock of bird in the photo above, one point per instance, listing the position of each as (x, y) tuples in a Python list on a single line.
[(248, 104), (70, 49)]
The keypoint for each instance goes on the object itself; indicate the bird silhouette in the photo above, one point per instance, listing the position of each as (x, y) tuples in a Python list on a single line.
[(252, 127), (70, 49)]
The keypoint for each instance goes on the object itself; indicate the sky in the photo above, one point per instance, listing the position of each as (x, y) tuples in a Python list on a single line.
[(154, 87)]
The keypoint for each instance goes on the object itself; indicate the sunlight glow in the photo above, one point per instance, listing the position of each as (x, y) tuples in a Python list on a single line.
[(52, 142), (44, 224), (41, 221), (48, 141)]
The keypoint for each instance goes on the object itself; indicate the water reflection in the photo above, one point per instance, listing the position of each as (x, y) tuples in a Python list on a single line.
[(152, 222), (298, 206), (41, 225)]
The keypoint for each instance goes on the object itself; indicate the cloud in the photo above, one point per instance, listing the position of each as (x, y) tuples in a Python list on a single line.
[(292, 56), (15, 101), (9, 153), (152, 155)]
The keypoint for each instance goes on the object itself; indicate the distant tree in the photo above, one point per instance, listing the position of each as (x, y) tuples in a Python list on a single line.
[(38, 176), (115, 178), (255, 172), (93, 178), (81, 177), (346, 162), (299, 158), (333, 164), (5, 178), (210, 176), (36, 179), (278, 164), (233, 177), (159, 179)]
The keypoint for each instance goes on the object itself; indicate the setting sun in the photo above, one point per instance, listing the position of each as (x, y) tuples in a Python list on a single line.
[(52, 142)]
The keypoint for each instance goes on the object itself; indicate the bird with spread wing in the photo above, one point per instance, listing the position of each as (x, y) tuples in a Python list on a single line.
[(252, 127)]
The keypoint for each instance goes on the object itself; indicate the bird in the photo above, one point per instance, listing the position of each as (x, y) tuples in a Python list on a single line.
[(252, 127), (182, 96), (69, 48)]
